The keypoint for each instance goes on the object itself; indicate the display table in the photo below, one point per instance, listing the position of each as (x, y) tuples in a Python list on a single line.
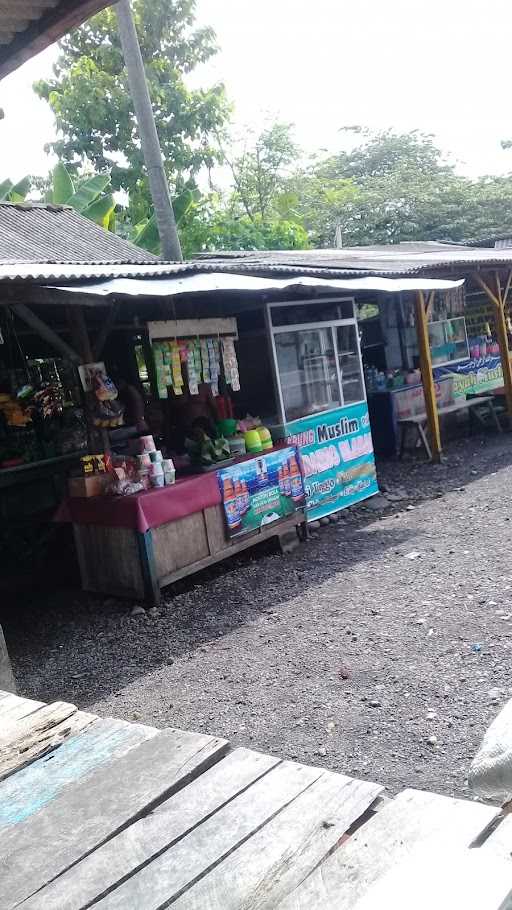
[(419, 422), (132, 546)]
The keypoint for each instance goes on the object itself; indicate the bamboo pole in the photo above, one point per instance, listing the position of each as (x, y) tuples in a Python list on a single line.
[(427, 376), (498, 301)]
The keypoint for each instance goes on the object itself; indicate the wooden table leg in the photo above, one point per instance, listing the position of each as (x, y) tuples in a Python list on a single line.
[(494, 416), (147, 561), (424, 440), (403, 431)]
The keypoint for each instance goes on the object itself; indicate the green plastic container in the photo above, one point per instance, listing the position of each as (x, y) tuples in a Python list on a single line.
[(253, 442), (227, 426)]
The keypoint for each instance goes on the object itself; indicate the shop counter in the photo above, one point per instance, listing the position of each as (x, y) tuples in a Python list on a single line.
[(135, 545)]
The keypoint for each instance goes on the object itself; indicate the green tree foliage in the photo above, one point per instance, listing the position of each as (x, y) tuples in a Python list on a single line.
[(213, 224), (91, 101), (395, 187), (261, 171), (257, 212)]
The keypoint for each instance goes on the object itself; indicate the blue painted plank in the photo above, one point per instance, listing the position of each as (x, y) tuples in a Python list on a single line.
[(35, 786)]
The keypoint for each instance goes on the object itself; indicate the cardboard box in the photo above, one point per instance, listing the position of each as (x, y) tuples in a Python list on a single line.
[(93, 485)]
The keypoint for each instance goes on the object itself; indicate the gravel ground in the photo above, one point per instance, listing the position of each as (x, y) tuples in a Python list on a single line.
[(382, 648)]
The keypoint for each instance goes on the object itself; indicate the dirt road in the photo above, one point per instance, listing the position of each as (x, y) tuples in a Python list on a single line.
[(381, 648)]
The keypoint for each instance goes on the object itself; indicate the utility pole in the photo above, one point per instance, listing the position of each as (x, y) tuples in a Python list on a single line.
[(170, 242)]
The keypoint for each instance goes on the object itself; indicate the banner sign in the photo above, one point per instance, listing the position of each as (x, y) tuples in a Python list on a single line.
[(470, 377), (337, 458), (261, 490)]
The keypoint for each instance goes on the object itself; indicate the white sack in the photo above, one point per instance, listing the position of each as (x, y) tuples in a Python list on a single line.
[(490, 774)]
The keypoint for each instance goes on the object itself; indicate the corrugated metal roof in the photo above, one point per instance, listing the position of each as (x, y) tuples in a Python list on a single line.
[(28, 26), (395, 259), (88, 253), (31, 233)]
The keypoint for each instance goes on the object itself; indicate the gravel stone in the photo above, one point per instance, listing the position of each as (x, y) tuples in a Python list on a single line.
[(278, 631)]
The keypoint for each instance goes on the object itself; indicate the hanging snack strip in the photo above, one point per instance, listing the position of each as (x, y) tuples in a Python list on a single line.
[(230, 363), (214, 362), (162, 358), (193, 376), (202, 358)]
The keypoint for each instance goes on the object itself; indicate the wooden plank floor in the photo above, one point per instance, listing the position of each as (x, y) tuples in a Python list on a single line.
[(103, 813)]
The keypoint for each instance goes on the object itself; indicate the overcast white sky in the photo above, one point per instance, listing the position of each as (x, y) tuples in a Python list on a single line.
[(442, 66)]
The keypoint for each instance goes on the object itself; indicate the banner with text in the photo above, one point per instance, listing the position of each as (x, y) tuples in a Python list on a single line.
[(337, 458), (473, 377), (257, 492)]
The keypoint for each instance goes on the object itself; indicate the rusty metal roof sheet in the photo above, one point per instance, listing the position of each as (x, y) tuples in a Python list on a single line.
[(28, 26)]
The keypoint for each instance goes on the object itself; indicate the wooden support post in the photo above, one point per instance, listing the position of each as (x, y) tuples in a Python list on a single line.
[(37, 325), (427, 376), (105, 330), (499, 301), (79, 332)]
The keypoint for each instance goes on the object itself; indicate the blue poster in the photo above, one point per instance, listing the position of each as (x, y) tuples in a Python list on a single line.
[(337, 458), (261, 490)]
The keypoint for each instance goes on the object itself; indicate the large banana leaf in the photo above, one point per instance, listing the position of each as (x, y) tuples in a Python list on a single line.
[(14, 192), (100, 211), (183, 203), (63, 187), (19, 190), (5, 189), (112, 223), (146, 232), (88, 192), (146, 235)]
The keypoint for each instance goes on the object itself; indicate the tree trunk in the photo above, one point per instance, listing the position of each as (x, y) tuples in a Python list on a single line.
[(170, 243)]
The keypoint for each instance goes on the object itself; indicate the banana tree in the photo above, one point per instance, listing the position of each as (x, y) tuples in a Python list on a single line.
[(145, 233), (88, 197), (14, 192)]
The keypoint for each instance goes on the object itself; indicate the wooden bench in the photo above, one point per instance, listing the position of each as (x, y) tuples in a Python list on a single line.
[(115, 815), (419, 421)]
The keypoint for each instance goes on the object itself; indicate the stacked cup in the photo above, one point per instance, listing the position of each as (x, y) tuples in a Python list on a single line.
[(156, 474), (169, 471)]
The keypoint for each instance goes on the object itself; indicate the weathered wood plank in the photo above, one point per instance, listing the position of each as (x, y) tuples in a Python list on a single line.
[(286, 850), (303, 812), (440, 876), (40, 720), (134, 847), (22, 752), (13, 707), (412, 818), (23, 740), (31, 788), (82, 818)]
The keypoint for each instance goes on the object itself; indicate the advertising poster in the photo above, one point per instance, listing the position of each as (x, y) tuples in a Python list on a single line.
[(337, 458), (473, 377), (261, 490)]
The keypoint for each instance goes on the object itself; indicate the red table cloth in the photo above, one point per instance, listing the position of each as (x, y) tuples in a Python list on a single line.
[(142, 511)]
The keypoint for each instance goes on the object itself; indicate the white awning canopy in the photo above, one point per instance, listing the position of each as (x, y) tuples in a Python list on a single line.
[(212, 281)]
